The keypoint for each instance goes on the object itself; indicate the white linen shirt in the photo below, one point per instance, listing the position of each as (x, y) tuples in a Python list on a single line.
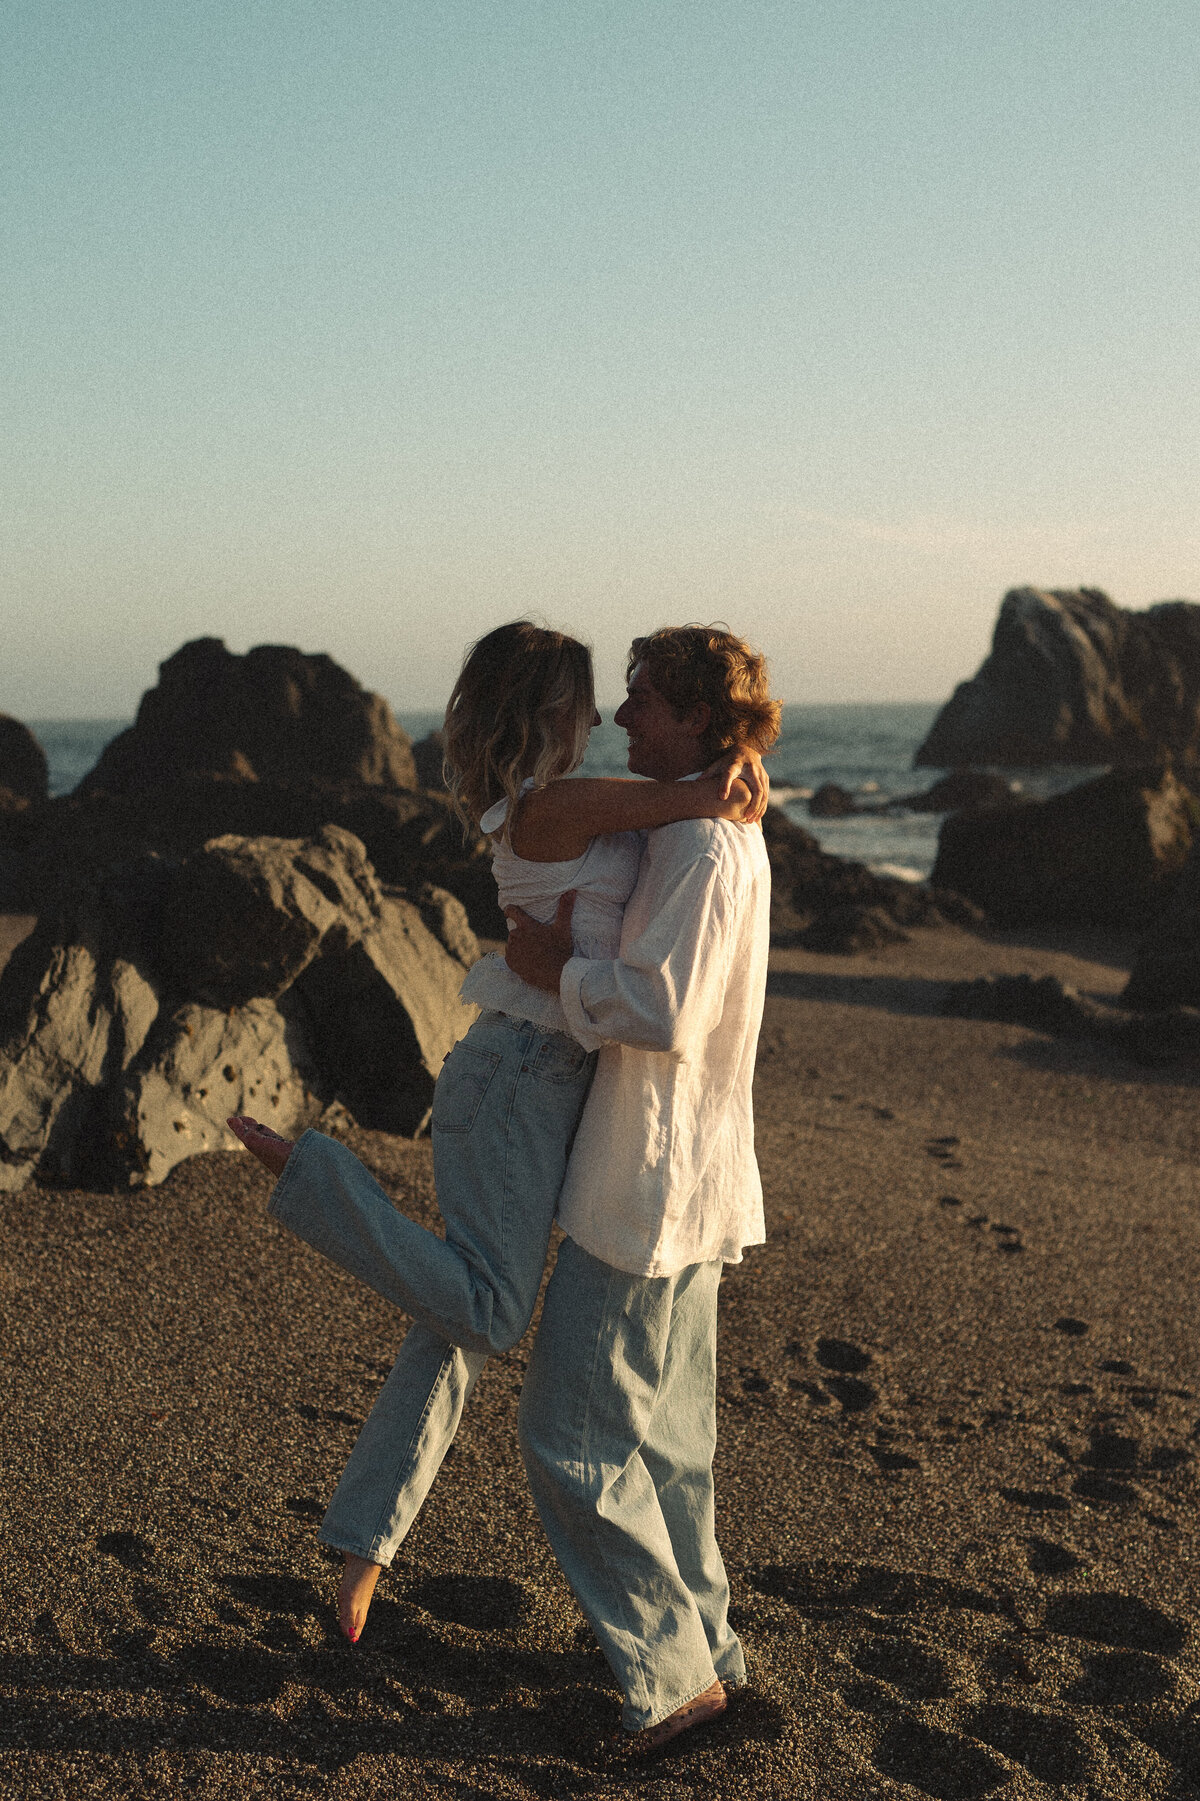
[(662, 1173)]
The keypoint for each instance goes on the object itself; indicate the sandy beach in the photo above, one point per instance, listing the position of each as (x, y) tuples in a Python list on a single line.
[(959, 1394)]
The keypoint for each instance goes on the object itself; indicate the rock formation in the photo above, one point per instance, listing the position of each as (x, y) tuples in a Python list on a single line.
[(831, 802), (273, 715), (961, 788), (1166, 970), (1104, 853), (259, 975), (23, 774), (1072, 678), (428, 754), (827, 903), (1169, 1035), (411, 838)]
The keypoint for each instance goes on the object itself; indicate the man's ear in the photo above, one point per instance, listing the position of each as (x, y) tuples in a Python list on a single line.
[(698, 718)]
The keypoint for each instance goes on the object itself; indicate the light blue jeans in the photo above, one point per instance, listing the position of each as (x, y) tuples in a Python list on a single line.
[(618, 1428), (505, 1109)]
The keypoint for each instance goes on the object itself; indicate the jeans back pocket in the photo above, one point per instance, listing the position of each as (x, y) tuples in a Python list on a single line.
[(461, 1086), (560, 1059)]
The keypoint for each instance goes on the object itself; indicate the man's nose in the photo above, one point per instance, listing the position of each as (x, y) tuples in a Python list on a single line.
[(620, 715)]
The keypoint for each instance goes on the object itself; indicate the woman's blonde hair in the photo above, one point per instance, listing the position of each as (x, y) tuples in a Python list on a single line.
[(521, 710)]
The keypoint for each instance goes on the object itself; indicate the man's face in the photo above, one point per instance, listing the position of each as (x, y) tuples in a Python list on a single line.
[(660, 745)]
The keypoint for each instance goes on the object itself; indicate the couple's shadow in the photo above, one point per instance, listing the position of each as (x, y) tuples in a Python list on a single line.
[(440, 1674)]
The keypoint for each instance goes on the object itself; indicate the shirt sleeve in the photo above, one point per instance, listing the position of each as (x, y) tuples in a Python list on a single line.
[(666, 990)]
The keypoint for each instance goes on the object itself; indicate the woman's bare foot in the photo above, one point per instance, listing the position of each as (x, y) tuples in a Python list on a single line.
[(261, 1142), (354, 1596)]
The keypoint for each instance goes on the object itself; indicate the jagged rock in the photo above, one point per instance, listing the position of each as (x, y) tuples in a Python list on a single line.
[(275, 714), (1104, 853), (1166, 969), (202, 1064), (1048, 1005), (1071, 678), (446, 918), (846, 930), (245, 916), (831, 802), (961, 788), (126, 1043), (24, 778), (428, 754), (828, 903), (77, 999), (410, 838), (382, 1013)]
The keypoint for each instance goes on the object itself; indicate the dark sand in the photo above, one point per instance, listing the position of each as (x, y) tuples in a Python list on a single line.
[(960, 1395)]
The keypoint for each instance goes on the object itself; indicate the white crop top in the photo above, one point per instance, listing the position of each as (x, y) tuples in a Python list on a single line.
[(603, 879)]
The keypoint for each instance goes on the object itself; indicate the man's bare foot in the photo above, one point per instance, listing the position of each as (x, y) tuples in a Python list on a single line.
[(354, 1596), (261, 1142)]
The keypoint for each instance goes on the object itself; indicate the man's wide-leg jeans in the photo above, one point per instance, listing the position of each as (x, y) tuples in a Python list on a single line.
[(618, 1429), (505, 1110)]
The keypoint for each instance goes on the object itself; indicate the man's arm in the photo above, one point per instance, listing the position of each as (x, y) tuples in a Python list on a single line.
[(667, 988)]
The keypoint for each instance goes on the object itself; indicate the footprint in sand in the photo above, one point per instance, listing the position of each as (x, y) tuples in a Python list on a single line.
[(893, 1462), (939, 1763), (1125, 1622), (1048, 1746), (1070, 1327), (942, 1151), (1048, 1559), (1037, 1500), (919, 1673), (1104, 1489), (132, 1552), (845, 1360), (1118, 1678)]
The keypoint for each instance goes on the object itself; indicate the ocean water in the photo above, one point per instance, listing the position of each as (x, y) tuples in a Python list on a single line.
[(865, 749)]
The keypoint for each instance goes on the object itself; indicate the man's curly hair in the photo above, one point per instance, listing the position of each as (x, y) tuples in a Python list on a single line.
[(691, 664)]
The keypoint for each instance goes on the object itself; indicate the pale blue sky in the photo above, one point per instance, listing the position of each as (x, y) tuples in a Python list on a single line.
[(367, 326)]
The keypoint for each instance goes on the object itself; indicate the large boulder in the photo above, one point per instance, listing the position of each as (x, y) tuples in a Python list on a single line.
[(826, 903), (429, 755), (831, 802), (77, 1000), (1158, 1036), (246, 916), (410, 838), (1166, 969), (961, 788), (382, 1013), (24, 779), (1104, 853), (201, 1065), (1072, 678), (275, 714), (257, 975)]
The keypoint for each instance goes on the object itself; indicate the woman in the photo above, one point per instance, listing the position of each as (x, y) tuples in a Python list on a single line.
[(510, 1093)]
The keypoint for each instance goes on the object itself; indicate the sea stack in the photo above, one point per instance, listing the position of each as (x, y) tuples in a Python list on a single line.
[(1073, 678)]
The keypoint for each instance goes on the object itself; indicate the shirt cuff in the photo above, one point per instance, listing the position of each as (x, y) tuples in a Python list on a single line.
[(570, 992)]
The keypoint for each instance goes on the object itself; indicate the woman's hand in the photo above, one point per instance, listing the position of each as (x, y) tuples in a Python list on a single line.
[(748, 766), (738, 805), (270, 1149)]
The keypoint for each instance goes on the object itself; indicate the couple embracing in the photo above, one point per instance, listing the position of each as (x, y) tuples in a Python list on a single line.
[(606, 1082)]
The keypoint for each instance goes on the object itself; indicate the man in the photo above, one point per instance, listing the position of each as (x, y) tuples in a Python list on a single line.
[(618, 1411)]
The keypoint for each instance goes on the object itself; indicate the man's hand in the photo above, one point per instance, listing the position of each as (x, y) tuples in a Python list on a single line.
[(535, 952)]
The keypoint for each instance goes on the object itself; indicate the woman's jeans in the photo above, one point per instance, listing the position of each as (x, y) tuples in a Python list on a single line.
[(505, 1110), (618, 1427)]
